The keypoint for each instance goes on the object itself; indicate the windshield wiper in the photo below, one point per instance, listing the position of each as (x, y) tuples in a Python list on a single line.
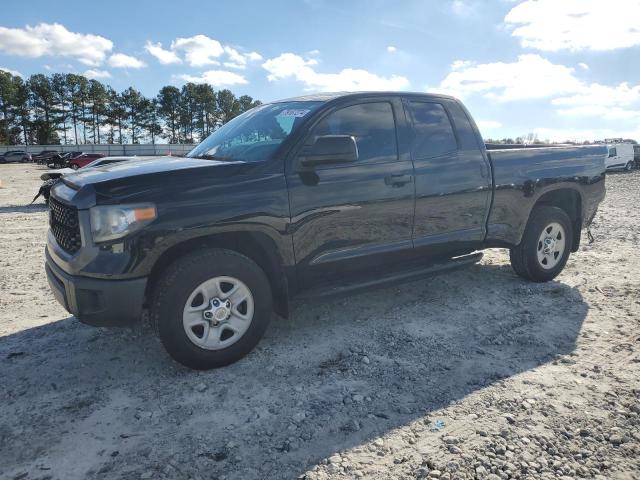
[(213, 157)]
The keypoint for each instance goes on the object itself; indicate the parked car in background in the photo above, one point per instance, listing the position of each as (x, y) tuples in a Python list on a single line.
[(44, 156), (61, 160), (83, 160), (620, 156), (58, 160), (311, 196), (14, 156)]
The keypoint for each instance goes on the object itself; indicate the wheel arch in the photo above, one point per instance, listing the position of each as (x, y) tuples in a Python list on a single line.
[(257, 246), (570, 200)]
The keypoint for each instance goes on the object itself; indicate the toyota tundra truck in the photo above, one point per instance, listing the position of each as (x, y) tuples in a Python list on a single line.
[(315, 195)]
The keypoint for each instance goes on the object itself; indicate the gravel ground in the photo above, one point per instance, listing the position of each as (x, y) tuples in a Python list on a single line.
[(472, 374)]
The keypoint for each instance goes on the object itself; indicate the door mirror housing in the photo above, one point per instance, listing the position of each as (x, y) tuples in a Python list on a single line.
[(331, 149)]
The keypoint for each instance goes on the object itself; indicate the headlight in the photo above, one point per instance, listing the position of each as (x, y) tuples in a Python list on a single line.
[(110, 222)]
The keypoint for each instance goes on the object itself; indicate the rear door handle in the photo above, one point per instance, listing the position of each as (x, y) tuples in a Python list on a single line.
[(397, 180)]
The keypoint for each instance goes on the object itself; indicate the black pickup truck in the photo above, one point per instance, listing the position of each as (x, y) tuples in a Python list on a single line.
[(309, 196)]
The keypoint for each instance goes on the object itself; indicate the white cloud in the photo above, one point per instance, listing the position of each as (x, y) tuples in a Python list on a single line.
[(53, 39), (239, 60), (12, 72), (531, 76), (461, 64), (253, 56), (120, 60), (391, 49), (199, 50), (553, 25), (165, 57), (289, 65), (97, 74), (216, 78), (462, 8), (609, 102), (583, 66)]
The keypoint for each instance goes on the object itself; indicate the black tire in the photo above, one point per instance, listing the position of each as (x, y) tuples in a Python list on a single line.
[(177, 283), (628, 167), (524, 257)]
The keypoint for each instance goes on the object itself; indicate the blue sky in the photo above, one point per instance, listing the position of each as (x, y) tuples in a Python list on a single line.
[(565, 69)]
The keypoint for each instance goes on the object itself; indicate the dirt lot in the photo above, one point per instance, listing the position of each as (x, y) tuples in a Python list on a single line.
[(472, 374)]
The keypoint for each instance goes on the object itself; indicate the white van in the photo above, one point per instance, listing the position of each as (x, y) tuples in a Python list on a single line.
[(620, 156)]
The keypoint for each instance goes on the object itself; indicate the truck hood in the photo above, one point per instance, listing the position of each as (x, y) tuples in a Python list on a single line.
[(137, 168), (158, 180)]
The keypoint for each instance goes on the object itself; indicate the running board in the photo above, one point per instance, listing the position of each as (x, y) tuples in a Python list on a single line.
[(396, 277)]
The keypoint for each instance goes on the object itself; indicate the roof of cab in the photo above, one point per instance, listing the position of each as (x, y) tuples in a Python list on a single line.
[(326, 97)]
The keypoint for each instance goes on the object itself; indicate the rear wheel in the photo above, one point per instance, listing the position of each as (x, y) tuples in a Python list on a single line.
[(628, 166), (211, 308), (545, 246)]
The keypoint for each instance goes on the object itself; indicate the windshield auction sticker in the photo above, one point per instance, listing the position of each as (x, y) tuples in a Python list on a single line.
[(293, 112)]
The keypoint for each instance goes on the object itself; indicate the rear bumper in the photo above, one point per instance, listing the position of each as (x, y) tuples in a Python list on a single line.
[(101, 303)]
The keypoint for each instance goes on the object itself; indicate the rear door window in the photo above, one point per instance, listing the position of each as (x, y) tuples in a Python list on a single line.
[(371, 124), (432, 131)]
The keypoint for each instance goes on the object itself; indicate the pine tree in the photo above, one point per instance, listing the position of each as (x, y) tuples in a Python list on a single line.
[(7, 94), (132, 101), (151, 119), (168, 102), (98, 99), (43, 102), (61, 103), (228, 106)]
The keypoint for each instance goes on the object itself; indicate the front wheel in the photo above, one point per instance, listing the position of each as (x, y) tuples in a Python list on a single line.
[(211, 308), (545, 246)]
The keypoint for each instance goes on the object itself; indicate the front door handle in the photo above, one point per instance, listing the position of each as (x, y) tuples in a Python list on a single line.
[(397, 180)]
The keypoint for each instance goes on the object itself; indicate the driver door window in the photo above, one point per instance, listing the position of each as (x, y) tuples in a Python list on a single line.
[(371, 124)]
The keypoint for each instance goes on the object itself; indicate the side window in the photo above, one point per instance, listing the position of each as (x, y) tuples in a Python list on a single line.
[(467, 139), (432, 131), (371, 124), (612, 152)]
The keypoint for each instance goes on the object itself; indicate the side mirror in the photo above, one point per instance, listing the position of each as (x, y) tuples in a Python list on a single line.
[(330, 149)]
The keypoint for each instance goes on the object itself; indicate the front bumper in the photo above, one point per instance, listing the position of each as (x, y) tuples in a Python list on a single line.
[(97, 302)]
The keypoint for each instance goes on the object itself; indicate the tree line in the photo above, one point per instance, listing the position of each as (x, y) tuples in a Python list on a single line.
[(72, 109), (532, 139)]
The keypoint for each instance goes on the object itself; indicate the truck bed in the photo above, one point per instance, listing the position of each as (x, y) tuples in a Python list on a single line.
[(522, 175)]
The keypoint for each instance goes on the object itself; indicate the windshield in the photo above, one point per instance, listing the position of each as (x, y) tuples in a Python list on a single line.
[(256, 134)]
